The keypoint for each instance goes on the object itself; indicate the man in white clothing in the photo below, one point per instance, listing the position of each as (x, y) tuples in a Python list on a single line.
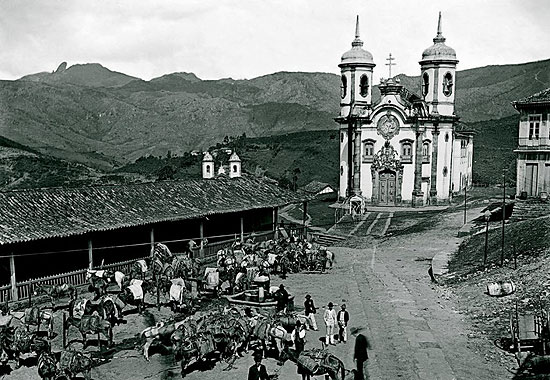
[(330, 323)]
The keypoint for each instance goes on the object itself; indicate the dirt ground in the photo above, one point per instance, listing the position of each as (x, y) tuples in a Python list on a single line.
[(416, 328)]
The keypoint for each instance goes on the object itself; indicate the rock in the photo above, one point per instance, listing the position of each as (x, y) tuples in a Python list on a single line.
[(62, 67)]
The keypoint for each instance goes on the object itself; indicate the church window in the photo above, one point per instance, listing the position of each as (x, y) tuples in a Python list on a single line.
[(208, 168), (342, 137), (234, 168), (425, 84), (344, 86), (445, 171), (446, 137), (364, 85), (534, 127), (368, 150), (426, 152), (341, 170), (448, 84), (406, 151)]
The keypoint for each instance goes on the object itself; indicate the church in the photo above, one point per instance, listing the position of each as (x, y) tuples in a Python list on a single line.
[(407, 148)]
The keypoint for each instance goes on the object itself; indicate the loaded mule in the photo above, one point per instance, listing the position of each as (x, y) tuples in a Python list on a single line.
[(133, 294), (72, 362), (175, 331), (17, 340), (110, 276), (35, 316), (89, 324), (55, 292)]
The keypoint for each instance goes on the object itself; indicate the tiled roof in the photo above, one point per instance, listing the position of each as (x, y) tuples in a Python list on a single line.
[(540, 97), (315, 186), (59, 212)]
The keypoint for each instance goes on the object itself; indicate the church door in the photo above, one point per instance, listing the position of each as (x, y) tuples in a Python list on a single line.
[(387, 187), (531, 179)]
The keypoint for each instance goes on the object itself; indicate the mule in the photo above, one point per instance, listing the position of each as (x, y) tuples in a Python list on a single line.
[(47, 365), (164, 330), (72, 362), (55, 292), (133, 294), (90, 324), (15, 341)]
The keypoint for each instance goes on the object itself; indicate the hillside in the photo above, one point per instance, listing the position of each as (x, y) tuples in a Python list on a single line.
[(89, 114)]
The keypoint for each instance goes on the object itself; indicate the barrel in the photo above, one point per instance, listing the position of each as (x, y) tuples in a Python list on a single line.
[(501, 288)]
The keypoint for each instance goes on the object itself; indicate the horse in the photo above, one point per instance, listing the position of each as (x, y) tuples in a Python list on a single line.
[(17, 340), (90, 324), (55, 292)]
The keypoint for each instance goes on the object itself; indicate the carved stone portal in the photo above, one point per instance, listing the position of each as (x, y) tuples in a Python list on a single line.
[(387, 177)]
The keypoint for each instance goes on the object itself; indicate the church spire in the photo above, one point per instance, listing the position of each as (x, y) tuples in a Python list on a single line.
[(439, 37), (357, 41)]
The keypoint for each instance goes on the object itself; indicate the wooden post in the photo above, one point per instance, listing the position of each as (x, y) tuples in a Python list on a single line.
[(152, 240), (201, 233), (64, 330), (90, 255), (503, 216), (13, 282), (242, 229), (275, 222), (30, 294), (305, 219)]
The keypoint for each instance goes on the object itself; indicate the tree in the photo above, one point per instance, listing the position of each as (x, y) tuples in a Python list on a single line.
[(166, 172)]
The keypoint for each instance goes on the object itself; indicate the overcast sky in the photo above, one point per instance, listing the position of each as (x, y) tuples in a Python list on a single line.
[(248, 38)]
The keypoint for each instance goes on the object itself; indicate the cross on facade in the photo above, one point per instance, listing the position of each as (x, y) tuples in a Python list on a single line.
[(390, 64)]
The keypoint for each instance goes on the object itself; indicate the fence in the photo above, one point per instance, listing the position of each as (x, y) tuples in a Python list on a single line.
[(78, 277)]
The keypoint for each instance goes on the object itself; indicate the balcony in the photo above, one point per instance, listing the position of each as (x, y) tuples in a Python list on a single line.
[(531, 145)]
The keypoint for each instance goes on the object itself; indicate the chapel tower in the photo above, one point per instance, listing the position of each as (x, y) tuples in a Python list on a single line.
[(356, 93), (437, 75)]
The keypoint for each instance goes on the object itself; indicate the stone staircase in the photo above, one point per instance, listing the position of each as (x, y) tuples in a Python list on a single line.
[(529, 209), (328, 240)]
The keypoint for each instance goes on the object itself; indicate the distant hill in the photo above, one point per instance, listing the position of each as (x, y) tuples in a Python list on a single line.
[(89, 114), (89, 74)]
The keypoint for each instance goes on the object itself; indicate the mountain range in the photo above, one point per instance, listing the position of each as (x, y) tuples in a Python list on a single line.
[(92, 115)]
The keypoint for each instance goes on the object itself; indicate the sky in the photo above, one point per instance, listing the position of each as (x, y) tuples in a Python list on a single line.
[(243, 39)]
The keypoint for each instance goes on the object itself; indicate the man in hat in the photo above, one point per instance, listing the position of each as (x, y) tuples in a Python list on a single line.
[(281, 296), (330, 323), (258, 370), (343, 318), (309, 311)]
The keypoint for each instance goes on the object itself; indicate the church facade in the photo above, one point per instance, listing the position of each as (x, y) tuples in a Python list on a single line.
[(406, 148)]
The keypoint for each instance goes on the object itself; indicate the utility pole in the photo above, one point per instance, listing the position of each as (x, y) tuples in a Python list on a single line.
[(464, 201), (487, 217), (503, 215)]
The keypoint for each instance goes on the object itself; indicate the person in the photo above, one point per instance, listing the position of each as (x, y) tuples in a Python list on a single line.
[(258, 370), (330, 322), (310, 311), (298, 336), (282, 298), (343, 319), (360, 355)]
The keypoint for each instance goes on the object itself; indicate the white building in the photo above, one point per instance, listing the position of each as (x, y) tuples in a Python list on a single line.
[(533, 151), (405, 148)]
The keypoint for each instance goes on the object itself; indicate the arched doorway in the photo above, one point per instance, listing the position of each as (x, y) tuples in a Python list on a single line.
[(387, 187)]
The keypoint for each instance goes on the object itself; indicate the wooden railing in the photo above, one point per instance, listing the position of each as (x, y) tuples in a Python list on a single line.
[(78, 277)]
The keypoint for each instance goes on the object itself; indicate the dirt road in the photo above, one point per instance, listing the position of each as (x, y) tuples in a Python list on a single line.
[(414, 326)]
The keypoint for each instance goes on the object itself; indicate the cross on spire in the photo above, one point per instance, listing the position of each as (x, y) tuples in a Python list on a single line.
[(390, 64)]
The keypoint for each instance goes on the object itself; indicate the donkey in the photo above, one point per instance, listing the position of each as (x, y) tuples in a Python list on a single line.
[(55, 292)]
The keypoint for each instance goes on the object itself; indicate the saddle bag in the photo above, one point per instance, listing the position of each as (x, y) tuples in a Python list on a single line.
[(312, 365)]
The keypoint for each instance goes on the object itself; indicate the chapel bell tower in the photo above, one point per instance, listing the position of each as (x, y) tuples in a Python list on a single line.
[(437, 75), (356, 68)]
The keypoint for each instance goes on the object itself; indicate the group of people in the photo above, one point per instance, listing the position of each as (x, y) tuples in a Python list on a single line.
[(336, 324)]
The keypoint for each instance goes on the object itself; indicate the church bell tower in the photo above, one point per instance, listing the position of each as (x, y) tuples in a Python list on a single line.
[(356, 69), (437, 75)]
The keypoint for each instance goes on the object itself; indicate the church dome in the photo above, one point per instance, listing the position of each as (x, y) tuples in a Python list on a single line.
[(357, 55), (439, 51), (207, 157), (234, 157)]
